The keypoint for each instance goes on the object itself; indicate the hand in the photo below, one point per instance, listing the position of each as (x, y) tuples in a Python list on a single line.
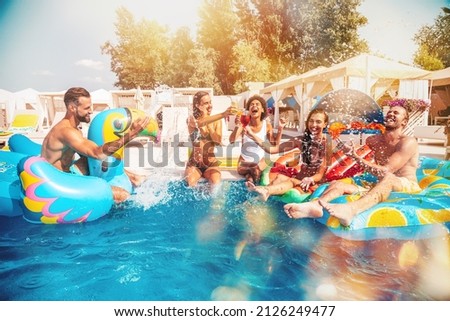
[(347, 148), (247, 130), (282, 122), (232, 110), (138, 125), (306, 183)]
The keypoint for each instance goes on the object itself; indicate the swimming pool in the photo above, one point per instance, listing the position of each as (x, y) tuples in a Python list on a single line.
[(175, 243)]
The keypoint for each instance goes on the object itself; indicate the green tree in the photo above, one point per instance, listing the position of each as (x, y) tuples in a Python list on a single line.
[(178, 72), (434, 41), (237, 41), (248, 65), (269, 22), (203, 62), (217, 32), (298, 35), (425, 60), (141, 55), (331, 31)]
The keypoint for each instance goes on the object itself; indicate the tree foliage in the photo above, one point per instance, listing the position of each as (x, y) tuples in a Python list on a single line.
[(238, 41), (331, 31), (181, 49), (434, 43), (217, 31), (142, 54)]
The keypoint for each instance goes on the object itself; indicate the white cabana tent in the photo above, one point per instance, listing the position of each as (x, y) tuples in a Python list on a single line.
[(292, 85), (126, 98), (375, 76), (440, 91), (53, 103), (7, 105), (101, 99), (27, 99), (439, 77)]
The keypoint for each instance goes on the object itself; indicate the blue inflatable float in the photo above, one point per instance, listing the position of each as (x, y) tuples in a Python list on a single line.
[(32, 187), (402, 215)]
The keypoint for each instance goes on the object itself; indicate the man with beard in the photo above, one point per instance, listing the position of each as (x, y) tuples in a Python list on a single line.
[(65, 139), (396, 162)]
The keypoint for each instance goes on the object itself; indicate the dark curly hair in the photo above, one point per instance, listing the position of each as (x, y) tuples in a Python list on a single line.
[(263, 104)]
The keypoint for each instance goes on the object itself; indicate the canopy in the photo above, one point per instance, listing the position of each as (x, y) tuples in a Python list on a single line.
[(440, 77), (365, 65), (372, 75), (26, 97), (290, 82), (101, 96)]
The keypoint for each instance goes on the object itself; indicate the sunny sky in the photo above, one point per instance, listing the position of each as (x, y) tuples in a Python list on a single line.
[(51, 45)]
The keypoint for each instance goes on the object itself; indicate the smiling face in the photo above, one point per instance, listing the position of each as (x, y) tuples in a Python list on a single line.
[(205, 105), (83, 110), (395, 118), (316, 123), (256, 107)]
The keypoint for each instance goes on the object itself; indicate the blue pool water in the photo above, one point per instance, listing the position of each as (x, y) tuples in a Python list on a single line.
[(175, 243)]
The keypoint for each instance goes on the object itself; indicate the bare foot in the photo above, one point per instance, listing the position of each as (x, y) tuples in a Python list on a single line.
[(119, 194), (302, 210), (248, 178), (343, 212), (250, 186), (138, 180), (256, 174), (263, 192), (135, 179)]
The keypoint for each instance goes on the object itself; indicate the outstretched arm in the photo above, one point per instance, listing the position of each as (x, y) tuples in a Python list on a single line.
[(405, 150), (210, 119), (86, 147)]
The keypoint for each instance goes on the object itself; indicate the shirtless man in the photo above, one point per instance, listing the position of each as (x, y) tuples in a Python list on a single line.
[(396, 162), (65, 139)]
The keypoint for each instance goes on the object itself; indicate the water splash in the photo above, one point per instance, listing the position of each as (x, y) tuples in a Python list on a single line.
[(153, 192)]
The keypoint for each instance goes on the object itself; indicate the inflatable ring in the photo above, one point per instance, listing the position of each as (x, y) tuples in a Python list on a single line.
[(286, 164), (402, 215), (44, 194)]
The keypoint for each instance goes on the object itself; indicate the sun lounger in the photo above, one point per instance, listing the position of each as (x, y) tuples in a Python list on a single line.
[(24, 121)]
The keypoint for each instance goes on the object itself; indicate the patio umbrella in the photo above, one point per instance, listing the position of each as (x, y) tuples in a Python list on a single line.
[(350, 105), (139, 98)]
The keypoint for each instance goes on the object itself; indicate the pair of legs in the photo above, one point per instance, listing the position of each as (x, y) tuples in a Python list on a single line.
[(280, 185), (347, 211), (251, 171), (119, 194), (193, 174)]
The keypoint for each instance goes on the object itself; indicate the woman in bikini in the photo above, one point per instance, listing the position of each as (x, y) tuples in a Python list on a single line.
[(205, 132), (252, 161), (312, 146)]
